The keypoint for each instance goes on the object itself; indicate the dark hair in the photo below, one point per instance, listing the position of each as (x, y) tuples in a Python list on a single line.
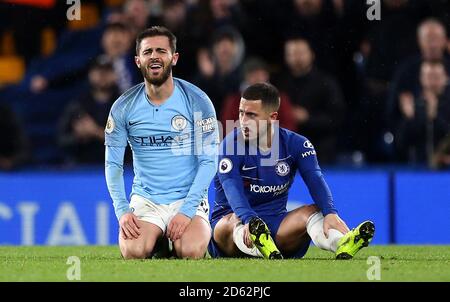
[(116, 26), (254, 64), (101, 62), (170, 3), (435, 62), (267, 93), (225, 33), (431, 21), (155, 31)]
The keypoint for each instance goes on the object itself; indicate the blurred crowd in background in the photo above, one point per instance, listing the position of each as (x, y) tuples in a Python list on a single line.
[(364, 92)]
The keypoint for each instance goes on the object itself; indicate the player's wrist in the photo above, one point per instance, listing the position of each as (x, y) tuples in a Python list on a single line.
[(186, 214), (120, 214), (327, 212)]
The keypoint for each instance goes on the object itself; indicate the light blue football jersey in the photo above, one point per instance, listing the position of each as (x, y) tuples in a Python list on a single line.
[(174, 144)]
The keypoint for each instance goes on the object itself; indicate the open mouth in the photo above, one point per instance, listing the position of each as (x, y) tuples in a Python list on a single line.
[(156, 67)]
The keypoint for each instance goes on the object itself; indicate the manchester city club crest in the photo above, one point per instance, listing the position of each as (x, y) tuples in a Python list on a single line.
[(282, 168), (179, 122)]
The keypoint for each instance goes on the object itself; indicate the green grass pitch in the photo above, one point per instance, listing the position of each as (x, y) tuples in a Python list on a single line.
[(103, 263)]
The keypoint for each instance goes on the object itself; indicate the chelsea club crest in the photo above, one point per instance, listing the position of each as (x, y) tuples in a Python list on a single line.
[(282, 168)]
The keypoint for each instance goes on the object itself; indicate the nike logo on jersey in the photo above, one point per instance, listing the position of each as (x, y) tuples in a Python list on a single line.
[(244, 168), (132, 123)]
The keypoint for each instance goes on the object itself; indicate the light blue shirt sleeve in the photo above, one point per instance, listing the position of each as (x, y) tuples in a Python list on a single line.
[(116, 142), (114, 179), (206, 142)]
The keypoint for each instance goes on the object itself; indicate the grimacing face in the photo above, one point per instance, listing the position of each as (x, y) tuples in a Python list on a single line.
[(155, 59), (254, 120)]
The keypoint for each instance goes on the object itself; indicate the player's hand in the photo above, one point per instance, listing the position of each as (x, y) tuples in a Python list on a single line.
[(205, 63), (247, 241), (177, 226), (407, 104), (333, 221), (129, 227), (431, 102), (87, 128), (300, 114)]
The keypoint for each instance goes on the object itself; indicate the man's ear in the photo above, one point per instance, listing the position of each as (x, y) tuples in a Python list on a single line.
[(137, 61), (274, 116), (175, 58)]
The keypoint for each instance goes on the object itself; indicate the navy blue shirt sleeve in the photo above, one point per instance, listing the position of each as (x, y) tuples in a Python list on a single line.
[(231, 181), (311, 174)]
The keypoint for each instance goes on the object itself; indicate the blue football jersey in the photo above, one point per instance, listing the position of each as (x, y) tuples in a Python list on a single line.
[(166, 141), (251, 183)]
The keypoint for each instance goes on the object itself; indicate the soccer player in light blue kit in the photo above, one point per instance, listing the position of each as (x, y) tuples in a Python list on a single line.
[(257, 166), (172, 130)]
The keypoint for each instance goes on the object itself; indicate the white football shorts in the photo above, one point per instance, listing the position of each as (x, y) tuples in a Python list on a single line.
[(161, 214)]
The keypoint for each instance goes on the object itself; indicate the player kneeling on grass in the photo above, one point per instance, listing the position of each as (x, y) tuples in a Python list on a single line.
[(171, 128), (257, 165)]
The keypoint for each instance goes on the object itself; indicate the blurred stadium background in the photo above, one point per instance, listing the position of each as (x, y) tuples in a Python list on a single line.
[(373, 96)]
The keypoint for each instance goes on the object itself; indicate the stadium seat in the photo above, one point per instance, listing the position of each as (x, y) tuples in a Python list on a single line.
[(90, 18), (7, 44), (48, 41), (12, 69)]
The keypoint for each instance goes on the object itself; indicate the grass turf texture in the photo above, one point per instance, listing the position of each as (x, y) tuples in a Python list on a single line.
[(398, 263)]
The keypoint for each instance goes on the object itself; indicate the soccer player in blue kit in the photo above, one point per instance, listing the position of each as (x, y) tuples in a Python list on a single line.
[(172, 130), (257, 165)]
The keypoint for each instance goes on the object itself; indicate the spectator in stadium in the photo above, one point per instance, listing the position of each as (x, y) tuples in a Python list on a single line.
[(385, 43), (175, 17), (81, 132), (135, 13), (220, 72), (116, 42), (432, 42), (389, 41), (209, 16), (255, 71), (318, 106), (425, 118), (316, 21), (14, 145)]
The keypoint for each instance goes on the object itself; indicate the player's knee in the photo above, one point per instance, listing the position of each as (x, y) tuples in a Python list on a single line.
[(135, 252), (192, 251), (281, 241), (306, 212), (228, 226), (291, 242), (223, 232), (311, 209)]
